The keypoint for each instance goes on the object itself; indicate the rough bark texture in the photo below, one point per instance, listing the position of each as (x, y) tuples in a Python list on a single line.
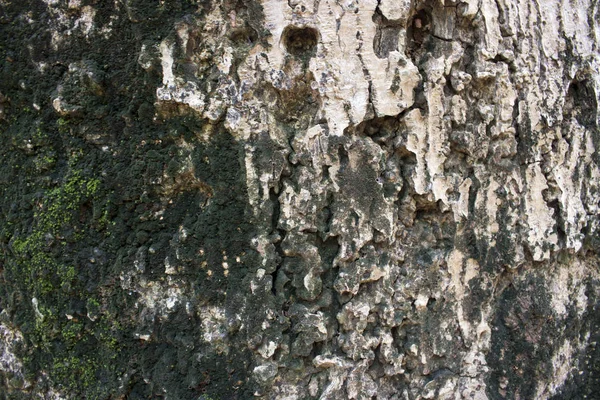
[(299, 199)]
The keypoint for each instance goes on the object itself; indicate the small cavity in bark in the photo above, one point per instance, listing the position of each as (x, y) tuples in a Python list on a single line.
[(300, 41)]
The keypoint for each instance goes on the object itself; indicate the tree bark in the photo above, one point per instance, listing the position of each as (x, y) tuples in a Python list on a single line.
[(299, 199)]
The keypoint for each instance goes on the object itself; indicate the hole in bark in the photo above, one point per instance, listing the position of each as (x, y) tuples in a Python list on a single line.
[(431, 303), (243, 36), (560, 222), (420, 26), (581, 103), (425, 204), (343, 157), (300, 41), (417, 32)]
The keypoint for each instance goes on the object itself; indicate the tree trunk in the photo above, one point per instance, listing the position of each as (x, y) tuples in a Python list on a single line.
[(229, 199)]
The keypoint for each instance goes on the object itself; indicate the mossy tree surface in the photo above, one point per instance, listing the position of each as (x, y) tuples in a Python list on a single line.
[(78, 198)]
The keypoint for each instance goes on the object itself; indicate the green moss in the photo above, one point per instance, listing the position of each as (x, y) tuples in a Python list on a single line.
[(104, 221), (71, 332), (43, 270), (45, 162), (85, 368), (62, 125), (54, 214)]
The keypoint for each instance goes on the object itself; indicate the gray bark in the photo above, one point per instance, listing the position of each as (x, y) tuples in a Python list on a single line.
[(299, 199)]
